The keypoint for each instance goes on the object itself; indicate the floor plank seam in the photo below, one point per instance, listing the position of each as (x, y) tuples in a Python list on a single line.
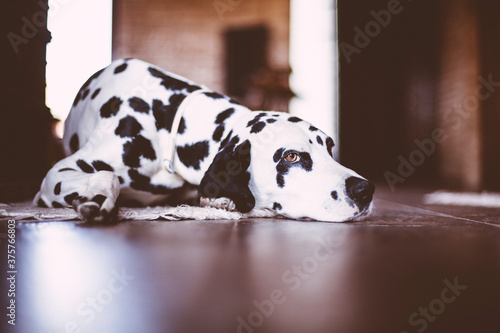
[(443, 214)]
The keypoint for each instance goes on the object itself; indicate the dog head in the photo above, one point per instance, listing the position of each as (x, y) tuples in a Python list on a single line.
[(285, 164)]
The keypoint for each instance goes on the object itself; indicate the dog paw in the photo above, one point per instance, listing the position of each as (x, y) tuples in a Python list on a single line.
[(99, 209), (220, 203)]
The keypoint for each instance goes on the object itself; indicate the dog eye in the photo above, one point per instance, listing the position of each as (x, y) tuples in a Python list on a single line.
[(292, 157)]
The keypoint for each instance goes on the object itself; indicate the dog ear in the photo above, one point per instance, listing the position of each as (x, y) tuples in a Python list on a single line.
[(228, 177)]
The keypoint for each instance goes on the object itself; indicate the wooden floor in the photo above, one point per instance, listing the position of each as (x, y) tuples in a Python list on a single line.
[(409, 268)]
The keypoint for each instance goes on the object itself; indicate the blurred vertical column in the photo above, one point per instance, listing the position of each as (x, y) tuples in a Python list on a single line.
[(459, 105), (314, 59), (489, 26), (25, 120)]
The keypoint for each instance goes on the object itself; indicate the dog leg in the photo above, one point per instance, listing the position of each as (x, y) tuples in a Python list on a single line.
[(75, 183)]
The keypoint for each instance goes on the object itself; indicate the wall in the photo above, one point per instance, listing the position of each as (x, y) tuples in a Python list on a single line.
[(186, 37)]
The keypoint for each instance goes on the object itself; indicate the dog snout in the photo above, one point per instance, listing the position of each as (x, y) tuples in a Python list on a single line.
[(360, 191)]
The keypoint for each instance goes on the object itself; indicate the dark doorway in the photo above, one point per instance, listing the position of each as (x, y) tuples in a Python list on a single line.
[(246, 53), (387, 84), (25, 134)]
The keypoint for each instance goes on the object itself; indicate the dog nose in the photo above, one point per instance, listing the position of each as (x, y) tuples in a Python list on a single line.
[(359, 190)]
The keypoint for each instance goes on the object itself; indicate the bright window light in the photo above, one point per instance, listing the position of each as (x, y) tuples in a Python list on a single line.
[(81, 44), (313, 58)]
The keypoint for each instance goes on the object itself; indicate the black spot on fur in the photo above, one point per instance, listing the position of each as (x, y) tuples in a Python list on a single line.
[(257, 127), (143, 183), (96, 92), (319, 140), (218, 133), (56, 204), (277, 206), (329, 146), (93, 77), (67, 169), (313, 129), (278, 154), (171, 83), (84, 166), (280, 180), (77, 99), (42, 204), (134, 149), (120, 68), (121, 180), (85, 94), (256, 119), (234, 140), (85, 86), (192, 155), (283, 167), (128, 127), (221, 117), (232, 101), (228, 177), (74, 143), (214, 95), (99, 199), (271, 120), (294, 119), (164, 114), (334, 195), (139, 105), (256, 123), (57, 188), (111, 107), (229, 140), (174, 103), (192, 88), (226, 139), (102, 166), (253, 121), (70, 197)]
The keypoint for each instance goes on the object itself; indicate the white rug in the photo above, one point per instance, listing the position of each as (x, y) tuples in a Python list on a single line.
[(485, 199), (28, 212)]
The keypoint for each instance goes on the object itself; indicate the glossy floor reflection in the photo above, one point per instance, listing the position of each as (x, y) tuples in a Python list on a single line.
[(409, 268)]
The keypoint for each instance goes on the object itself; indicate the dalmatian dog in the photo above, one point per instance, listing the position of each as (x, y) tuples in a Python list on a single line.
[(139, 134)]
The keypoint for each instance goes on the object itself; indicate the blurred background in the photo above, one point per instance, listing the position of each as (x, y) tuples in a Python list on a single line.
[(407, 89)]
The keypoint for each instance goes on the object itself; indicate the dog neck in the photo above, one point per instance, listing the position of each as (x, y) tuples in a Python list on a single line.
[(168, 161)]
